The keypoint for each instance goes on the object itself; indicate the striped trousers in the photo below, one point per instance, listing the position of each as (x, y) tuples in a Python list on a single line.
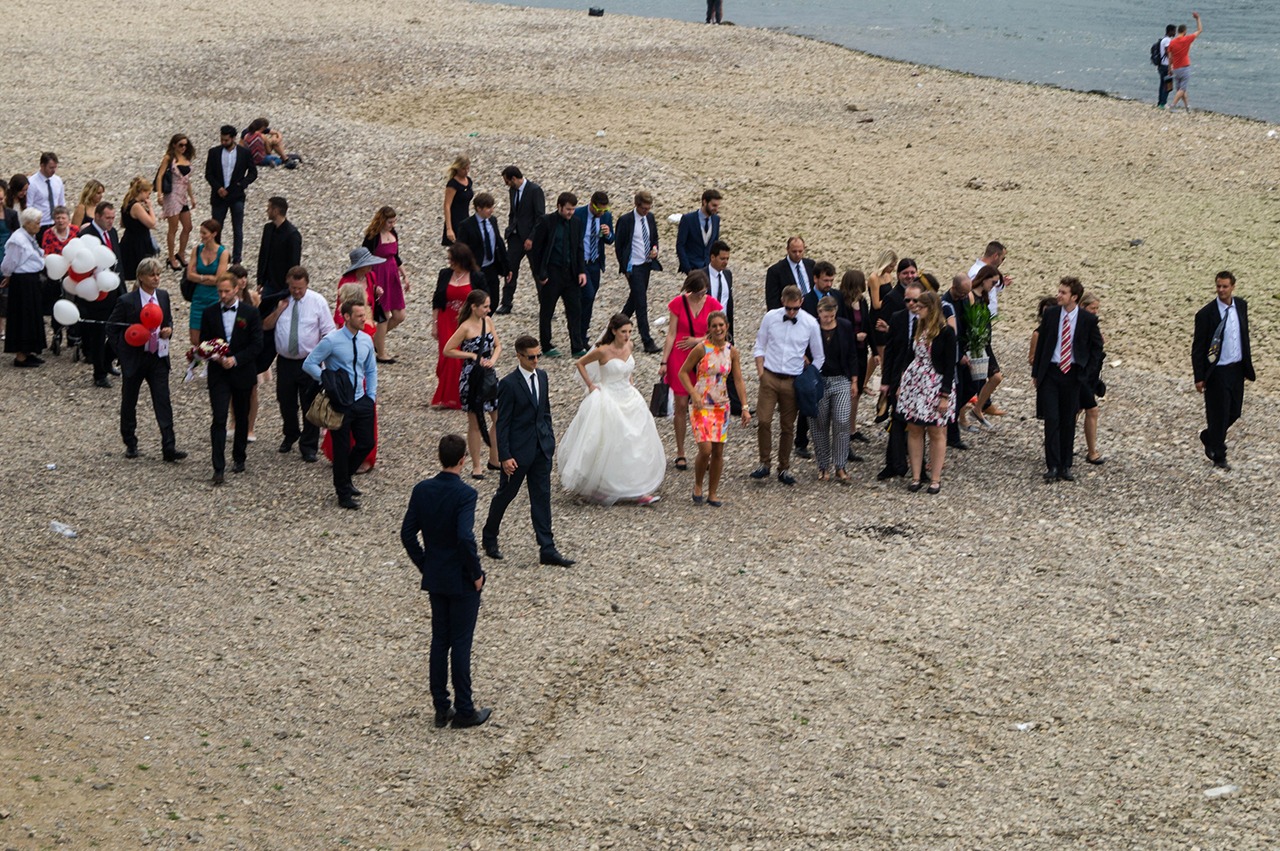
[(833, 414)]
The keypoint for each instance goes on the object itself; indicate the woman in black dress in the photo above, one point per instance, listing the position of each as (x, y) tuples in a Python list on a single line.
[(853, 292), (139, 219), (457, 198)]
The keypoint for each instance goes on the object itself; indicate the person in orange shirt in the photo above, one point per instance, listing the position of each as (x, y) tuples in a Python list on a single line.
[(1180, 61)]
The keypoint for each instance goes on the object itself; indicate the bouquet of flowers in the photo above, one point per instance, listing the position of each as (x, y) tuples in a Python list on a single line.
[(199, 356)]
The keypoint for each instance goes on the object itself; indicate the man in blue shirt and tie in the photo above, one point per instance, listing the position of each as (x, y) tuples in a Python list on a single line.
[(349, 351), (597, 230)]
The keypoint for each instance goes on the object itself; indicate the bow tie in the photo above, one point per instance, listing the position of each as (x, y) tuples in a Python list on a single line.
[(230, 309), (791, 319)]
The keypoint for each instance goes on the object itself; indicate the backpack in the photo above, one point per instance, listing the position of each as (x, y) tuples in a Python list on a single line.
[(1155, 53)]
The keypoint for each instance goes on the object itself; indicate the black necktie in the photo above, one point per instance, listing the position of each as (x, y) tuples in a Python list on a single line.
[(488, 242), (533, 388)]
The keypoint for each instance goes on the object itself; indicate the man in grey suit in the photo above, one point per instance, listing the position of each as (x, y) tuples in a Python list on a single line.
[(441, 512)]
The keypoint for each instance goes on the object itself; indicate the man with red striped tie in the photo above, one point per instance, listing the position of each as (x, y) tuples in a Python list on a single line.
[(1068, 355)]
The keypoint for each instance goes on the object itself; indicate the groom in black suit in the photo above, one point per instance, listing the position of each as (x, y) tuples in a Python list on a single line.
[(1221, 362), (526, 445), (231, 380), (1068, 357)]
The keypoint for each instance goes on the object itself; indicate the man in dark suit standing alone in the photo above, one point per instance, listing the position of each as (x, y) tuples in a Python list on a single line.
[(442, 511), (1221, 362), (480, 234), (558, 267), (281, 248), (793, 270), (528, 205), (229, 169), (526, 445), (148, 362), (597, 232), (636, 247), (1068, 355), (231, 379), (697, 231)]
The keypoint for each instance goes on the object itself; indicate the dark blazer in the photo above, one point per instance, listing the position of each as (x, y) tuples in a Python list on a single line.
[(280, 251), (901, 350), (468, 234), (128, 310), (780, 276), (540, 254), (245, 343), (844, 349), (523, 430), (691, 251), (622, 239), (1086, 346), (439, 299), (728, 279), (91, 229), (1206, 324), (523, 219), (810, 303), (443, 510), (99, 310), (243, 172), (893, 298), (581, 215)]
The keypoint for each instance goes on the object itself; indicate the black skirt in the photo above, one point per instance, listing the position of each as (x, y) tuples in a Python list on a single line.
[(24, 329)]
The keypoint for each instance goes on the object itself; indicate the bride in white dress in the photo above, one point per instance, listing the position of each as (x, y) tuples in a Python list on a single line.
[(611, 450)]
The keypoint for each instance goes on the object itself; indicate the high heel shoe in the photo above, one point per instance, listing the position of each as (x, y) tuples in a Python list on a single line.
[(175, 264)]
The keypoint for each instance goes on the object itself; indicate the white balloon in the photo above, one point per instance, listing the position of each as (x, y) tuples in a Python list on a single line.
[(66, 312), (69, 285), (107, 280), (88, 289), (72, 249), (89, 240), (85, 261), (105, 256), (56, 266)]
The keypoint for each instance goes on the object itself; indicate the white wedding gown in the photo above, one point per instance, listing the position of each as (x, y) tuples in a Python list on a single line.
[(611, 451)]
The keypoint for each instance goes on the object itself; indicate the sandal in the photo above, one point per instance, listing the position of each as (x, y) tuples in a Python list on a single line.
[(682, 463), (822, 475), (843, 478)]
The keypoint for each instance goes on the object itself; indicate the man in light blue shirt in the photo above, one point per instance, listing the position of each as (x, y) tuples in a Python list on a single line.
[(349, 351)]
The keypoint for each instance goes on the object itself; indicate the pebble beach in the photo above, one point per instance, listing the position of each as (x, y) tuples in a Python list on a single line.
[(1004, 665)]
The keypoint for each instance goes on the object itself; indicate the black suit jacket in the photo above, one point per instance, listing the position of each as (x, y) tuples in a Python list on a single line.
[(468, 234), (243, 172), (524, 430), (1086, 346), (780, 276), (623, 233), (728, 280), (810, 303), (128, 311), (1207, 320), (280, 251), (100, 310), (245, 343), (540, 254), (844, 349), (523, 218), (443, 510)]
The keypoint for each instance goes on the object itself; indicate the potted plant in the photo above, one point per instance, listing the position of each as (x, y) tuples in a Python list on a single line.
[(977, 323)]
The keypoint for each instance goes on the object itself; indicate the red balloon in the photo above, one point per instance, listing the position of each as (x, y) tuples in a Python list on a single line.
[(101, 296), (152, 316), (136, 335), (80, 276)]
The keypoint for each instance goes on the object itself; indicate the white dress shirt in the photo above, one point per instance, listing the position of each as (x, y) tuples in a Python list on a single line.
[(719, 287), (1071, 317), (1230, 351), (45, 193), (783, 343), (528, 377), (228, 165), (315, 321), (228, 318), (639, 247)]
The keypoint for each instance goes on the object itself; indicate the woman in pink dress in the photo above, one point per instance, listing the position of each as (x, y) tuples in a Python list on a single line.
[(177, 201), (687, 316), (381, 239), (452, 288)]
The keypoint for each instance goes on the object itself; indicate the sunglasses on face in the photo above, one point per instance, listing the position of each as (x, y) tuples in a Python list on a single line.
[(913, 301), (792, 309), (531, 357)]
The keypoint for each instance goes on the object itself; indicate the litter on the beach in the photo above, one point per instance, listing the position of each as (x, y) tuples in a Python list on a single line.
[(1221, 791)]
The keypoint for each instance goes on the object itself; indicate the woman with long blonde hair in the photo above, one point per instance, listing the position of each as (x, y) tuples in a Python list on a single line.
[(926, 391), (90, 197), (457, 198)]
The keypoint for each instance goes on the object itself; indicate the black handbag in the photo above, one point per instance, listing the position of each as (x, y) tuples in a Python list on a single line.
[(658, 399), (166, 180), (187, 287)]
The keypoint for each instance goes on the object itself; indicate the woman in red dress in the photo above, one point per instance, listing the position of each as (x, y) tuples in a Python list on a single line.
[(687, 316), (452, 288)]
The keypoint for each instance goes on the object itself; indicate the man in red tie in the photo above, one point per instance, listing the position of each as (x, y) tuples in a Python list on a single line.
[(99, 351), (1068, 354)]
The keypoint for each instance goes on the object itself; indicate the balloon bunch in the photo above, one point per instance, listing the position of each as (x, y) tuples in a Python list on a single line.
[(84, 267)]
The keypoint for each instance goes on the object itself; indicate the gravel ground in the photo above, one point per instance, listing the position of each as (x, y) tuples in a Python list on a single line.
[(1004, 665)]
